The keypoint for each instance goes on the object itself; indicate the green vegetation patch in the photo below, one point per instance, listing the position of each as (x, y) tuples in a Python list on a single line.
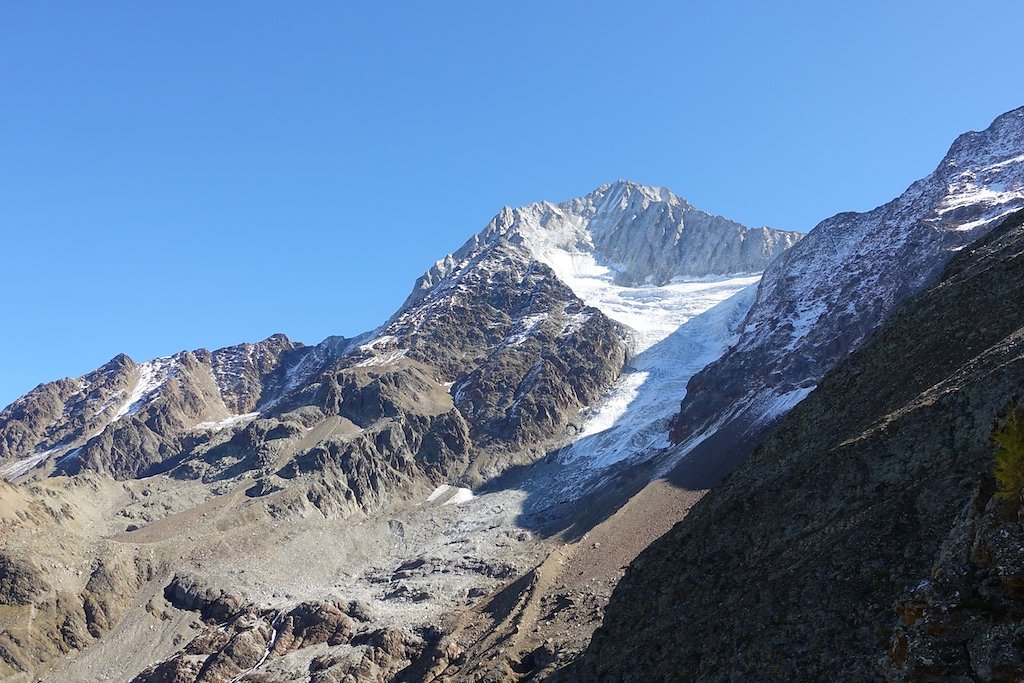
[(1009, 456)]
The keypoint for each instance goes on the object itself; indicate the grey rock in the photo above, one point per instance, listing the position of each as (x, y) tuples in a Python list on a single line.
[(20, 581), (791, 567), (824, 298), (128, 419)]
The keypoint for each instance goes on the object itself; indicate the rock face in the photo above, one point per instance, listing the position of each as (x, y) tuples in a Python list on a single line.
[(220, 459), (533, 356), (487, 365), (61, 620), (871, 494), (20, 581), (249, 635), (963, 620), (126, 418), (644, 234), (825, 297)]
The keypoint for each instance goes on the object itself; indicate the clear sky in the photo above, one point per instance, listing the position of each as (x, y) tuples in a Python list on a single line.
[(181, 174)]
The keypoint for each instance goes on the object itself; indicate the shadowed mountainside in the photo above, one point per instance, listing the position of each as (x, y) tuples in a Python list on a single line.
[(790, 570), (824, 297)]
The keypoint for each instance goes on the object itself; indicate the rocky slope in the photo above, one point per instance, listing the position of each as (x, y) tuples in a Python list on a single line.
[(523, 285), (453, 495), (874, 493), (826, 296), (127, 418), (203, 486)]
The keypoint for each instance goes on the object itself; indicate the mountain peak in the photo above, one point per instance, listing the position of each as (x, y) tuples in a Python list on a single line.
[(121, 360), (628, 188), (973, 150), (642, 233)]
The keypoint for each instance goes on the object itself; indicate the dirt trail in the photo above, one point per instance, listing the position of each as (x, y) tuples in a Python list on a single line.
[(542, 620)]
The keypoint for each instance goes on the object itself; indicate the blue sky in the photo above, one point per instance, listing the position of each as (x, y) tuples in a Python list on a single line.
[(183, 175)]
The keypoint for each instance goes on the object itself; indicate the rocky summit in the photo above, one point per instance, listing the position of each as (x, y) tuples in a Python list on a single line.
[(470, 490), (206, 503)]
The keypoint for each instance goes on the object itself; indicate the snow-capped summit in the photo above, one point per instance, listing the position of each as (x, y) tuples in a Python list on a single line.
[(539, 283), (634, 234), (643, 257)]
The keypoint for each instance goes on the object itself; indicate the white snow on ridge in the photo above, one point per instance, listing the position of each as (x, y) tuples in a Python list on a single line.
[(383, 359), (967, 194), (217, 425), (13, 470), (316, 360), (985, 220), (377, 341), (152, 374)]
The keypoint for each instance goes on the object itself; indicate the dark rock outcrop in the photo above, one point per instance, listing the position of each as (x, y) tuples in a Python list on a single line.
[(253, 635), (20, 581), (965, 619), (188, 593)]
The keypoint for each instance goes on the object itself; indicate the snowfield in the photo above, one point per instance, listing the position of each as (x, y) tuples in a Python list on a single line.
[(680, 328), (152, 375), (679, 323), (677, 327)]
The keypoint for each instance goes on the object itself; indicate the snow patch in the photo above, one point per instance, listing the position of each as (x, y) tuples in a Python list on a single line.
[(71, 455), (438, 492), (217, 425), (971, 225), (777, 405), (152, 375), (450, 495), (383, 359), (525, 327), (681, 327), (13, 470), (804, 321), (379, 341), (461, 496)]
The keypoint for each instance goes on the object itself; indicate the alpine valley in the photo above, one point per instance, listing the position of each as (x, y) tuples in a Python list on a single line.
[(616, 438)]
